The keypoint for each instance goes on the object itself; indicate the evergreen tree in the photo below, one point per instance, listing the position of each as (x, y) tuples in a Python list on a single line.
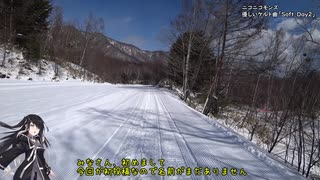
[(23, 22), (32, 25), (201, 59)]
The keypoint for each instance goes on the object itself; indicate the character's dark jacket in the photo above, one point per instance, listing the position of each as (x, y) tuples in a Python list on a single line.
[(34, 154)]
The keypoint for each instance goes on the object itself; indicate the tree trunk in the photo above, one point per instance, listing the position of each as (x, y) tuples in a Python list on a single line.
[(300, 144), (84, 52), (186, 79), (82, 71), (215, 85), (288, 144), (40, 71), (10, 22), (4, 56), (312, 148)]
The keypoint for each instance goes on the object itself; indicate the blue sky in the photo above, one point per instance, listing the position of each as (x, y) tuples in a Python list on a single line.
[(139, 22)]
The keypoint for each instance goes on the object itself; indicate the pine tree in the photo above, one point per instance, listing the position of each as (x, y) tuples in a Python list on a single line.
[(23, 22), (32, 25), (200, 58)]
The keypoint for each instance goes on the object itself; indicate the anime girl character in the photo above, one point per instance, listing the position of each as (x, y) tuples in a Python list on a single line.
[(28, 139)]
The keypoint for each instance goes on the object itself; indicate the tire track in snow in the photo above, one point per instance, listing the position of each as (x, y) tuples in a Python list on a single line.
[(132, 147), (116, 140), (227, 134), (151, 144), (80, 127), (172, 157), (185, 150), (141, 132), (74, 174), (159, 130), (129, 122), (70, 112), (204, 160), (170, 153)]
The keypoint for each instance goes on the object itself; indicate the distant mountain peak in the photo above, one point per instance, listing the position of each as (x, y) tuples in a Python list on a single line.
[(128, 52)]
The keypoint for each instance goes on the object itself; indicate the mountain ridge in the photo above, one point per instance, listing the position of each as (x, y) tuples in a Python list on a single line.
[(129, 52)]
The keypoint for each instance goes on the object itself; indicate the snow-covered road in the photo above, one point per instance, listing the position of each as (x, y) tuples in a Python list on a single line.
[(91, 121)]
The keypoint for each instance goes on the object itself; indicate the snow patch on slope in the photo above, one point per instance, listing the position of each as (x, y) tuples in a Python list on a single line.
[(16, 67)]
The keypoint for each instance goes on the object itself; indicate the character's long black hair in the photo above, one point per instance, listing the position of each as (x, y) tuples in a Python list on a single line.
[(23, 127)]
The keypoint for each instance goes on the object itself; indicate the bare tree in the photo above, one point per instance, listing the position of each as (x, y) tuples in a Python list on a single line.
[(264, 67), (56, 38), (91, 26), (192, 20), (300, 106), (232, 33)]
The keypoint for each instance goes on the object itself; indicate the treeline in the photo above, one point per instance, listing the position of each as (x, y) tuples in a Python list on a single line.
[(40, 31), (85, 44), (23, 23), (227, 59)]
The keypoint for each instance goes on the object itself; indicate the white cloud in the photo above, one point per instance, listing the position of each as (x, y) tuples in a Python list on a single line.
[(316, 35), (289, 24)]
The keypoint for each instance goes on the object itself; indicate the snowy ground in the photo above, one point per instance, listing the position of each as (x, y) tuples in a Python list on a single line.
[(135, 122), (17, 67)]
